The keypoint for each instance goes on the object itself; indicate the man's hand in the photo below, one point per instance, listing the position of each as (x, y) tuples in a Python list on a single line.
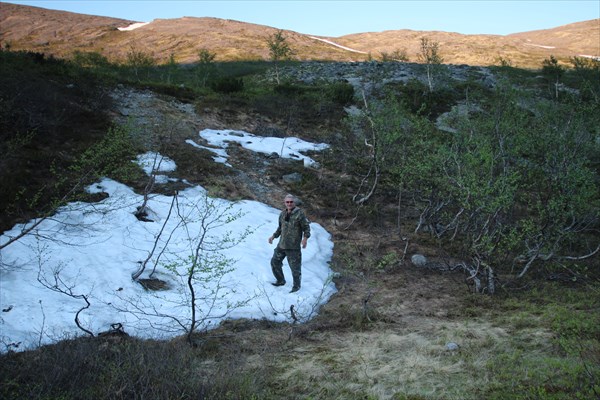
[(304, 241), (271, 240)]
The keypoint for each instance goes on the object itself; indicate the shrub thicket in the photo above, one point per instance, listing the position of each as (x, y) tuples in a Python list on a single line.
[(50, 110), (124, 368)]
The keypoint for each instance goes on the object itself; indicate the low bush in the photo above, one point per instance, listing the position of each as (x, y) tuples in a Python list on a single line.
[(289, 89), (122, 368), (421, 101), (227, 85), (341, 93)]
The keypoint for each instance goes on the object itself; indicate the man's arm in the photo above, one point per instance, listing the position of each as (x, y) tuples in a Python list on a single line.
[(305, 223), (277, 232)]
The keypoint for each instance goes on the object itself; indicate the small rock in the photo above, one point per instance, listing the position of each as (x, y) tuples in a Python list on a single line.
[(419, 260), (452, 346), (292, 178)]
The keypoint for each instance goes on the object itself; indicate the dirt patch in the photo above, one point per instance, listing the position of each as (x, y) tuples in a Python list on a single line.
[(153, 284)]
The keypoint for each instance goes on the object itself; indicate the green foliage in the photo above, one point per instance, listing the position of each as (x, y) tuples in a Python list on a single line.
[(504, 62), (296, 104), (204, 267), (89, 59), (228, 85), (389, 260), (112, 157), (420, 100), (341, 93), (205, 67), (507, 159), (513, 185), (585, 76), (50, 110), (430, 52), (552, 69), (170, 68), (584, 63), (430, 56), (205, 56), (290, 89), (398, 55), (557, 359), (400, 138), (279, 50), (139, 61), (279, 47), (242, 68), (123, 367), (553, 73)]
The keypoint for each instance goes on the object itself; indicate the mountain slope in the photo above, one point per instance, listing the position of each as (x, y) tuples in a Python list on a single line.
[(37, 28), (60, 33), (525, 49)]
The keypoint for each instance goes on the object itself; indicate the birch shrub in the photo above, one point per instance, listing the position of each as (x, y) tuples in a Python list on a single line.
[(511, 187)]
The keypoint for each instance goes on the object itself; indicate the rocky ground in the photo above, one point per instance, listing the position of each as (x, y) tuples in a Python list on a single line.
[(170, 123)]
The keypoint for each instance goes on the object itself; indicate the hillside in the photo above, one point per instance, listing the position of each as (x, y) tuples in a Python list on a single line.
[(39, 28), (526, 49), (455, 210), (60, 33)]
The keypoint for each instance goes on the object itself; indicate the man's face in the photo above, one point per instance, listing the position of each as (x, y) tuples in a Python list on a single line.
[(289, 203)]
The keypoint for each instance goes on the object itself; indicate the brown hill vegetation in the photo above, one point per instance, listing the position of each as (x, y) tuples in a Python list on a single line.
[(60, 33), (526, 49)]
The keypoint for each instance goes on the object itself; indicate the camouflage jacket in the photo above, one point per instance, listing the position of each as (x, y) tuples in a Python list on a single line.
[(291, 229)]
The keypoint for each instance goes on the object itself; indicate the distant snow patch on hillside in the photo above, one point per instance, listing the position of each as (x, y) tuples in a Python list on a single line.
[(133, 26), (539, 45), (337, 45)]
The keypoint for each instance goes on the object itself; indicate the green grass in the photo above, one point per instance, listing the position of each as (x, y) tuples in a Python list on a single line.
[(554, 352)]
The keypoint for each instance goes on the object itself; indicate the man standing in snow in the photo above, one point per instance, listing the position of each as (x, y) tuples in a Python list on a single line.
[(293, 225)]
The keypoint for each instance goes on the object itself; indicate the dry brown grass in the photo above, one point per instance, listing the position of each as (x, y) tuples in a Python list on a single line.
[(384, 362), (525, 50)]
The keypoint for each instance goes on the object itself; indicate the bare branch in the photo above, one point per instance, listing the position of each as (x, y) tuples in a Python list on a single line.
[(27, 230), (59, 286), (582, 257), (139, 272), (374, 148)]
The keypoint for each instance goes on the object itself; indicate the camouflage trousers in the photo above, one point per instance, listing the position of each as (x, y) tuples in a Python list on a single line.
[(294, 258)]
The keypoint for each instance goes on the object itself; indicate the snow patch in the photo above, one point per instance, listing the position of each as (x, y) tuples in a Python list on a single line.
[(337, 45), (290, 147), (133, 26), (597, 58), (539, 45)]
